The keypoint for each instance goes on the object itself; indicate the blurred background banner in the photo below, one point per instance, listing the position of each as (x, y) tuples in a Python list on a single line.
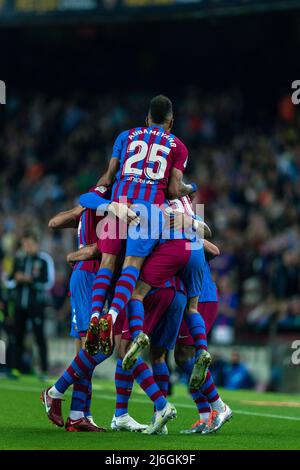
[(73, 83), (16, 11)]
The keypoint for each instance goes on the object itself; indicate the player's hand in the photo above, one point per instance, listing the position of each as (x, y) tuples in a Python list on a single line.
[(70, 260), (124, 213), (22, 277)]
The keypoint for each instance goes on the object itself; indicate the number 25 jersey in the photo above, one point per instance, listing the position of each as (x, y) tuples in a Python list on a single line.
[(146, 156)]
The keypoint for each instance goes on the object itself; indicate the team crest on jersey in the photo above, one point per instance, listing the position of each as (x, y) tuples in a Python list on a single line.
[(101, 189)]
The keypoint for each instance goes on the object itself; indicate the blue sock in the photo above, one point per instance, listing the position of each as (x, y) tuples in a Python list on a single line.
[(124, 383), (124, 288), (136, 313), (196, 326)]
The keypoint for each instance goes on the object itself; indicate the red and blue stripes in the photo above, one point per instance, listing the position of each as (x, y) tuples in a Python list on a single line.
[(135, 315), (144, 377), (124, 383), (101, 287), (82, 365), (124, 288), (81, 396), (196, 326), (161, 376)]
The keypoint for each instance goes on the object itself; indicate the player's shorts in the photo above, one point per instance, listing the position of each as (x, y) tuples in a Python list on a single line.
[(165, 261), (209, 312), (166, 331), (143, 238), (192, 274), (155, 304), (81, 289), (112, 235)]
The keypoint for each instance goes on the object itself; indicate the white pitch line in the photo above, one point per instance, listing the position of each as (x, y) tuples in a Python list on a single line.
[(139, 400)]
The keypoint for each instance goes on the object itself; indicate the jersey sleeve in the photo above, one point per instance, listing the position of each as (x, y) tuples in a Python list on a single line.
[(118, 145), (180, 156)]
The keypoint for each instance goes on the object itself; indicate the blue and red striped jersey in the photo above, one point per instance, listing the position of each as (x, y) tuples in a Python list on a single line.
[(146, 155), (87, 231)]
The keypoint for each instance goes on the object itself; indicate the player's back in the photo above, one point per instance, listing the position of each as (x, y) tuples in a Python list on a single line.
[(147, 155)]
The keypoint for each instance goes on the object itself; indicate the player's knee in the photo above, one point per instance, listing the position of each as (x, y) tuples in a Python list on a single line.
[(108, 261), (135, 261), (137, 296), (124, 345), (140, 291), (157, 355), (183, 354), (192, 304)]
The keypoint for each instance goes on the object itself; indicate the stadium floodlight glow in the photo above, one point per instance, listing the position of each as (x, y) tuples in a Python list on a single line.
[(2, 92)]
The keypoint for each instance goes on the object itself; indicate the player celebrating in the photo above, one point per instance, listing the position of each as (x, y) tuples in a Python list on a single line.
[(148, 162)]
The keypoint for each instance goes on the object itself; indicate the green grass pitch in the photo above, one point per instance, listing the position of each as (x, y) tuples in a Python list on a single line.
[(261, 421)]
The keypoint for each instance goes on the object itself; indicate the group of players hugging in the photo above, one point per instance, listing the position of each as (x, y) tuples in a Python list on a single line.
[(140, 278)]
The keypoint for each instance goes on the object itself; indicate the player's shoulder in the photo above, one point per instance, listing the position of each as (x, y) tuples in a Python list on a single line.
[(177, 144), (124, 134)]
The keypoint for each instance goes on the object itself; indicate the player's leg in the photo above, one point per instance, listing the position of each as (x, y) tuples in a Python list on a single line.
[(126, 284), (135, 315), (82, 365), (164, 262), (160, 369), (163, 338), (80, 409), (207, 396), (192, 277), (121, 420), (101, 286), (185, 360), (143, 376), (81, 283), (161, 374), (222, 412)]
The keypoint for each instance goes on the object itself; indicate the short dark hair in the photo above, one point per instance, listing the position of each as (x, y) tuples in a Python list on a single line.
[(160, 109), (30, 233)]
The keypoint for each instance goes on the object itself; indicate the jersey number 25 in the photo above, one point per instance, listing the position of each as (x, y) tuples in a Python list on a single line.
[(156, 153)]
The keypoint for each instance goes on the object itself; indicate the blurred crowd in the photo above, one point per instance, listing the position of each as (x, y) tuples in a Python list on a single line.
[(53, 149)]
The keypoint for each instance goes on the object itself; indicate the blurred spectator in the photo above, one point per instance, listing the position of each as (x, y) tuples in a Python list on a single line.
[(237, 375), (31, 277)]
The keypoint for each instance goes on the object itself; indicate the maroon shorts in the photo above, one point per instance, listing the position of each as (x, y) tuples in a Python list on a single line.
[(155, 305), (111, 234), (209, 312), (164, 262), (118, 326)]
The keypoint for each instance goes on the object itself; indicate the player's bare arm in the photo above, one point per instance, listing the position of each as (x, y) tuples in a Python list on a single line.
[(66, 219), (109, 176), (85, 253), (177, 188), (210, 249)]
